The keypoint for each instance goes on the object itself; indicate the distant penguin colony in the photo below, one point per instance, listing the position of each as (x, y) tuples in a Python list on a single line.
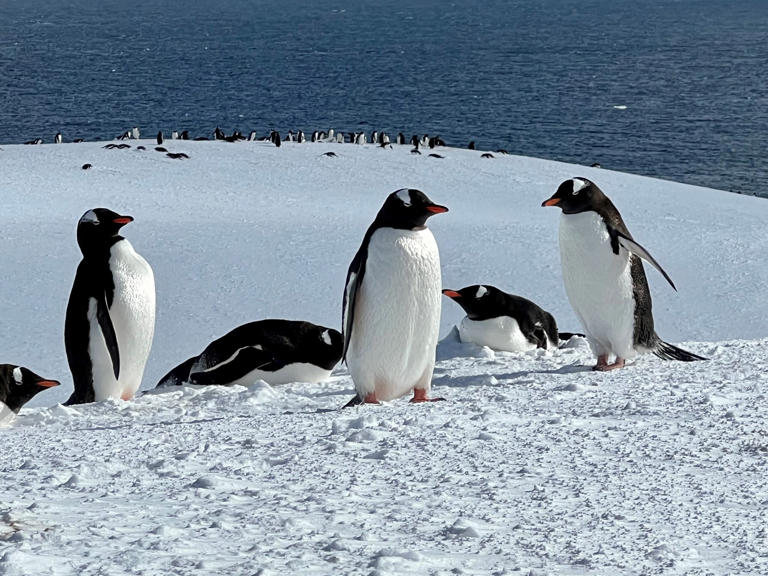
[(604, 277), (110, 320), (391, 308), (275, 351)]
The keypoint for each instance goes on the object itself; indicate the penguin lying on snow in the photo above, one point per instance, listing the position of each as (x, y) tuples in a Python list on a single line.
[(604, 277), (391, 311), (503, 321), (17, 387), (111, 312), (276, 351)]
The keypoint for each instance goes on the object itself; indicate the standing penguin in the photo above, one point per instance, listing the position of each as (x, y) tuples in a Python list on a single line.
[(17, 387), (391, 312), (604, 277), (111, 312)]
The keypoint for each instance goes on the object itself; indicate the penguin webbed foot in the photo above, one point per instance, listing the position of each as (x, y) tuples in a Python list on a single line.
[(420, 395), (603, 366)]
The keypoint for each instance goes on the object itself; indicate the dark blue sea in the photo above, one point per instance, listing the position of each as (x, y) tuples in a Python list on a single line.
[(670, 88)]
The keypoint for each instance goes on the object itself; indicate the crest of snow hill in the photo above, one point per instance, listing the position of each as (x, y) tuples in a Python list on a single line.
[(390, 305)]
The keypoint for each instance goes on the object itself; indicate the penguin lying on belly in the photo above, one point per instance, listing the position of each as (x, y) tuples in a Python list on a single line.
[(275, 351), (604, 277), (504, 321), (17, 387)]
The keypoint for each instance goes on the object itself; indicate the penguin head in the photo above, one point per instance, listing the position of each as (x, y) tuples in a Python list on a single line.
[(331, 347), (98, 229), (478, 301), (407, 209), (21, 384), (576, 195)]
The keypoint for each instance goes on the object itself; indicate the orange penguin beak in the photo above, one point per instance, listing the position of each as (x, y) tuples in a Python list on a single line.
[(551, 202), (437, 209), (451, 293), (48, 383), (123, 220)]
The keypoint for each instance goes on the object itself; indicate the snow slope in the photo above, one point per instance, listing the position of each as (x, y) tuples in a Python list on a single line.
[(535, 465)]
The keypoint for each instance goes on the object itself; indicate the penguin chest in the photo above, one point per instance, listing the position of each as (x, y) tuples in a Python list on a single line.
[(7, 415), (397, 314), (500, 333), (133, 317), (598, 283), (296, 372)]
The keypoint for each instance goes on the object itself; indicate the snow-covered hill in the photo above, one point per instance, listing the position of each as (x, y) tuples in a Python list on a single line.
[(534, 465)]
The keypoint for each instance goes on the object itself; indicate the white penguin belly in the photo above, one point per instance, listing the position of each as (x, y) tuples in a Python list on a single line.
[(397, 314), (133, 318), (296, 372), (500, 333), (598, 284), (7, 416)]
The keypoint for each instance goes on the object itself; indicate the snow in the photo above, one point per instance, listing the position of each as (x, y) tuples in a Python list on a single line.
[(533, 465)]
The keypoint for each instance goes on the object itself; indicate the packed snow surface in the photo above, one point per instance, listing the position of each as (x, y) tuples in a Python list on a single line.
[(533, 465)]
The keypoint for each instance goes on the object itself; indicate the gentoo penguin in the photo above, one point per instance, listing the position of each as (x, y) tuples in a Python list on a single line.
[(604, 277), (400, 138), (160, 138), (17, 387), (175, 135), (503, 321), (111, 311), (276, 351), (135, 133), (57, 139), (391, 311), (301, 138)]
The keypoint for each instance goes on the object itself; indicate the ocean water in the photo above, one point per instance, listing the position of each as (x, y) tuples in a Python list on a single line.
[(670, 88)]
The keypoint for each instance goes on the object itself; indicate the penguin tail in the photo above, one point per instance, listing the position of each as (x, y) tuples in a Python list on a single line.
[(667, 351), (356, 401), (569, 335)]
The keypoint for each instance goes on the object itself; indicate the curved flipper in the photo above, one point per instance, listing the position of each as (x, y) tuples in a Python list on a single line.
[(242, 362), (108, 331)]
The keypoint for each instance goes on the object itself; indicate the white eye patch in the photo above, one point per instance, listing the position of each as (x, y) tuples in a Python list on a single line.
[(17, 376), (404, 195), (481, 291), (326, 337), (89, 218), (578, 184)]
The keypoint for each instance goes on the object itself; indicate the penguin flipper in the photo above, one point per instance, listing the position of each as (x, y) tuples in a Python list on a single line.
[(178, 375), (618, 238), (242, 362), (354, 280), (108, 331)]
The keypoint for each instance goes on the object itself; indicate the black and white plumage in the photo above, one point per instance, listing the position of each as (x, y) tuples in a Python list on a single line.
[(110, 319), (391, 311), (604, 277), (57, 139), (18, 386), (275, 351), (503, 321)]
